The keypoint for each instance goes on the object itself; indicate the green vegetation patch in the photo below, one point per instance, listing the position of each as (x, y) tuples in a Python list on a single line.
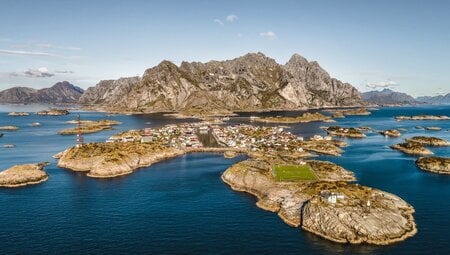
[(294, 173)]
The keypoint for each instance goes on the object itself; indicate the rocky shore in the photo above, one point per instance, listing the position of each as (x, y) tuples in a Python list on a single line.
[(108, 160), (350, 112), (350, 219), (439, 165), (22, 175)]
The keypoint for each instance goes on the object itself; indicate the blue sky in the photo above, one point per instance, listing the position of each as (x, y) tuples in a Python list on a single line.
[(403, 45)]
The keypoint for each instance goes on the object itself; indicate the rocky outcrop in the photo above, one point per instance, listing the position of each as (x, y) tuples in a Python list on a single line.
[(252, 82), (88, 126), (434, 164), (22, 175), (53, 112), (60, 93), (387, 97), (304, 118), (387, 220), (351, 219)]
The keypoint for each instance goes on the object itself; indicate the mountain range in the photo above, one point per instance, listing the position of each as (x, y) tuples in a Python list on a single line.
[(390, 97), (387, 97), (251, 82), (60, 93)]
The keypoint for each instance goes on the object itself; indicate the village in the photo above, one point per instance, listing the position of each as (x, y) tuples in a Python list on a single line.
[(241, 136)]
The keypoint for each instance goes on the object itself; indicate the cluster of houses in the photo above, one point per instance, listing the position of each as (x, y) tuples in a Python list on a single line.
[(254, 138), (179, 136)]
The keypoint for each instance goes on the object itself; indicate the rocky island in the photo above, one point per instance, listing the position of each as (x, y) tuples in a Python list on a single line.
[(305, 117), (53, 112), (328, 205), (437, 165), (391, 133), (22, 175), (349, 112), (17, 114), (412, 148), (423, 117), (89, 126), (9, 128), (428, 141), (345, 132)]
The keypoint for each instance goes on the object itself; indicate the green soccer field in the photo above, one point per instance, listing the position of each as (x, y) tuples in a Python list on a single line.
[(294, 173)]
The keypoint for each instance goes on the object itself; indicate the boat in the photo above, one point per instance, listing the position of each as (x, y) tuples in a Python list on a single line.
[(9, 146)]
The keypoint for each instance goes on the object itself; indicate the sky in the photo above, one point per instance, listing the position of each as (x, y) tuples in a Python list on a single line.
[(402, 45)]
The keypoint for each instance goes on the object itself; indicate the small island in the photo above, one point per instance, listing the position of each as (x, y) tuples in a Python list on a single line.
[(17, 114), (437, 165), (412, 148), (349, 112), (423, 117), (433, 128), (9, 128), (428, 141), (345, 132), (53, 112), (391, 133), (304, 118), (318, 197), (22, 175), (89, 126)]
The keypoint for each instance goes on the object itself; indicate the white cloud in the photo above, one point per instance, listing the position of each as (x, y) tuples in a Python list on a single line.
[(40, 72), (25, 53), (52, 46), (232, 18), (382, 84), (218, 21), (269, 35), (64, 71)]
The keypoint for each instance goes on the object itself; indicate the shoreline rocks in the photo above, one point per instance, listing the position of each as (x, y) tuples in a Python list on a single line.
[(428, 141), (439, 165), (22, 175)]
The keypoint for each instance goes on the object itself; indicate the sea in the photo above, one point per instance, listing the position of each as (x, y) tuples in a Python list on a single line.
[(181, 206)]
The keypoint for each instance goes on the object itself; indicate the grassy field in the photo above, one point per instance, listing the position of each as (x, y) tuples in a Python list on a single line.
[(294, 173)]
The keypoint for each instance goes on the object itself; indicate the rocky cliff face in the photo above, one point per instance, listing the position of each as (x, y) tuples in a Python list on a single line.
[(250, 82), (387, 96), (61, 92)]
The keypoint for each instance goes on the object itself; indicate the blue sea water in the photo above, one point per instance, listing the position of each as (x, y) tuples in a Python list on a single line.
[(181, 206)]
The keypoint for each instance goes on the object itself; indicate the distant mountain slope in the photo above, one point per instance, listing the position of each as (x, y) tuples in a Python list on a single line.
[(61, 92), (441, 99), (248, 83), (387, 96)]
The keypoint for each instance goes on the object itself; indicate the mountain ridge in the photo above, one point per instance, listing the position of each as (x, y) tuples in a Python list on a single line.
[(251, 82), (60, 93)]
